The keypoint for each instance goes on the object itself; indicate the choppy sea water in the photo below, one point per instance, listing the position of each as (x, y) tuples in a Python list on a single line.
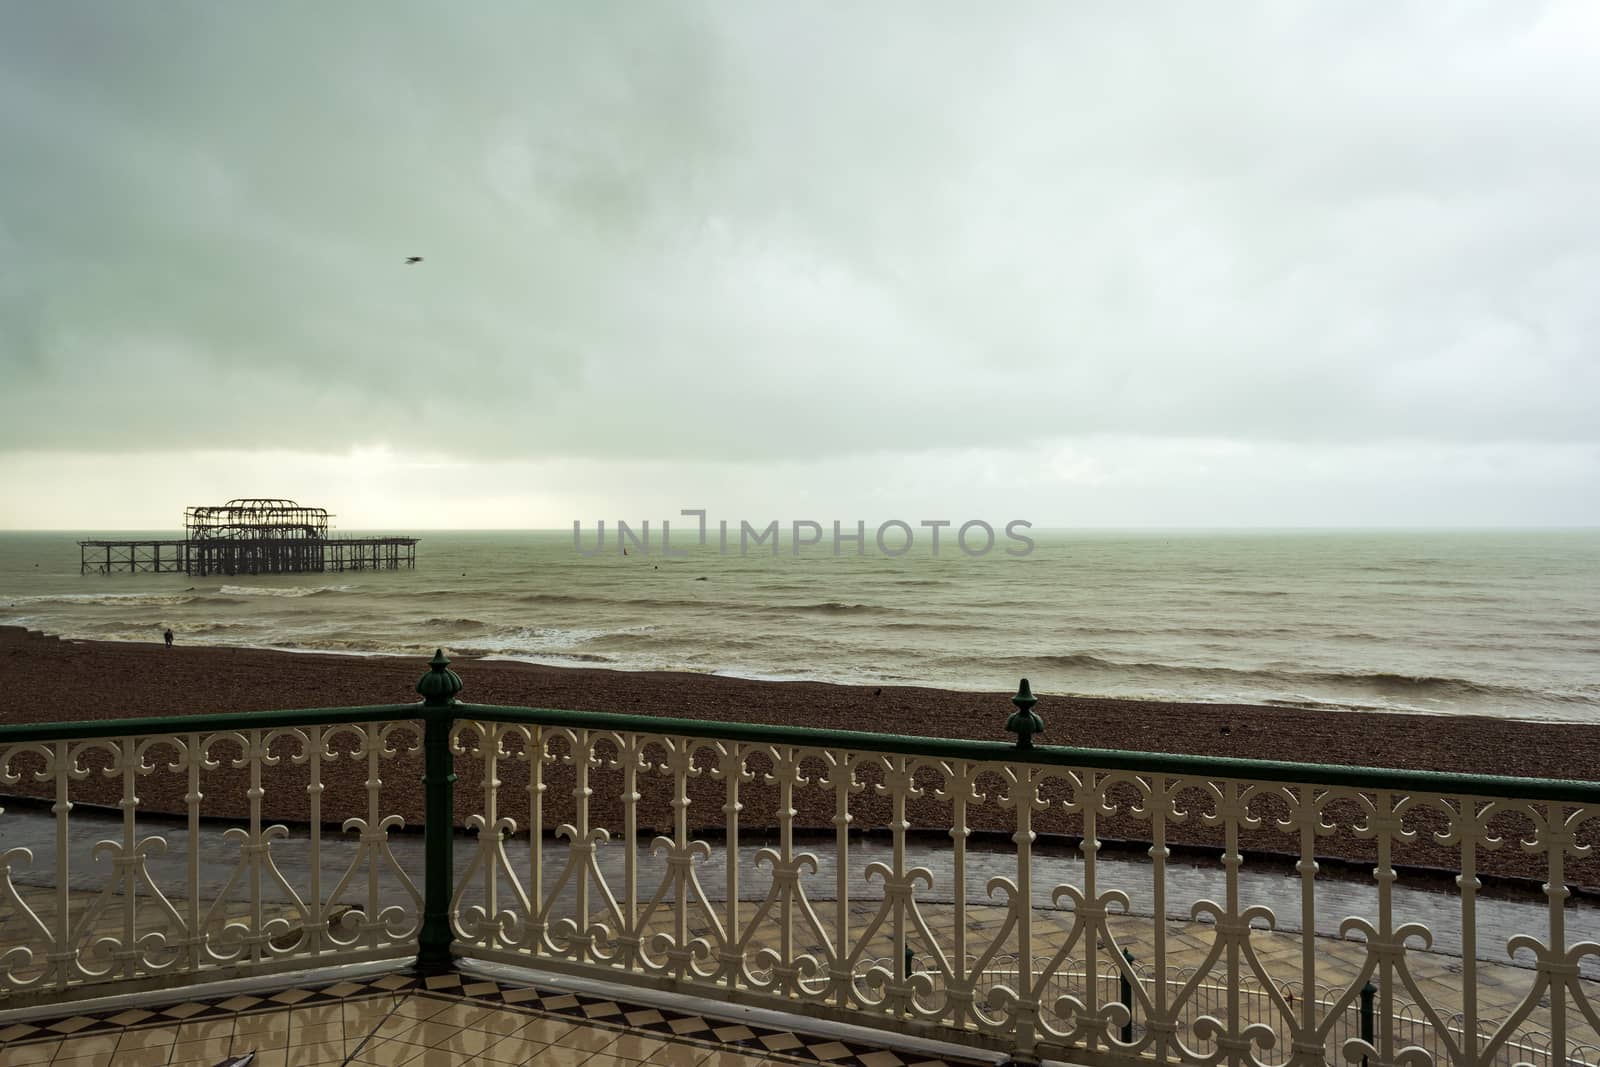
[(1450, 622)]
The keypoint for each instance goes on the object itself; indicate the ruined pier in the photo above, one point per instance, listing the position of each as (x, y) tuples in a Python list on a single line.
[(254, 535)]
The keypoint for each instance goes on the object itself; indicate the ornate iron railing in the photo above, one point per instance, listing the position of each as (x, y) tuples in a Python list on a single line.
[(784, 867)]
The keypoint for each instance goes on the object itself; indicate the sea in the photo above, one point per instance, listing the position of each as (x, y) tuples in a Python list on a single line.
[(1458, 622)]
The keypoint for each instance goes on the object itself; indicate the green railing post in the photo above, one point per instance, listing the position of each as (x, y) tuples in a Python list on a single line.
[(1368, 1029), (1125, 989), (1025, 722), (438, 688)]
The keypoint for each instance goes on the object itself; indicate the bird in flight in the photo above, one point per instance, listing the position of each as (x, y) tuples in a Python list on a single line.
[(413, 259)]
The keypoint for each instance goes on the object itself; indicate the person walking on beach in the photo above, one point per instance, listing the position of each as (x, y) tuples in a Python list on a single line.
[(168, 636)]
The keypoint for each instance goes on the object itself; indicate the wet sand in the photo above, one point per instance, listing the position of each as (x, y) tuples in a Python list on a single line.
[(46, 679)]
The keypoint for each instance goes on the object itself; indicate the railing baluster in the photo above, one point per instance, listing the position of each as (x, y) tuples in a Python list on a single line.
[(581, 843), (1026, 787), (127, 860), (958, 780), (899, 782), (1089, 800), (732, 754), (1469, 885), (1556, 891), (628, 756), (64, 956), (1309, 816), (786, 814), (682, 758), (316, 937), (253, 850), (1162, 790), (842, 771), (536, 788), (191, 800), (1386, 876), (488, 836)]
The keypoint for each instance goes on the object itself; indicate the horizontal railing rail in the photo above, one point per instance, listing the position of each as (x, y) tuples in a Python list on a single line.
[(1355, 777), (586, 858)]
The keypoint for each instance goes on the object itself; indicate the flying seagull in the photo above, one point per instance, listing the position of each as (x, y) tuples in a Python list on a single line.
[(413, 259)]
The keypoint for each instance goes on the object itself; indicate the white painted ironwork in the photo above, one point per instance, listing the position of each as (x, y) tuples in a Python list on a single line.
[(1009, 983), (742, 897), (135, 926)]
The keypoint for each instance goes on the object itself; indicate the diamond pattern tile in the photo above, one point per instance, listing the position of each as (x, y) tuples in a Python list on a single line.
[(828, 1051), (881, 1058), (183, 1011), (448, 1020), (689, 1024), (72, 1025)]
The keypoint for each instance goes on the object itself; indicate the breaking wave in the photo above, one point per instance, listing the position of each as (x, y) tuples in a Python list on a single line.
[(106, 599), (283, 591), (1385, 683)]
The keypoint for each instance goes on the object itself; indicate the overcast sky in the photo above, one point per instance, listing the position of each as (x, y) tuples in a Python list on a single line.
[(1114, 264)]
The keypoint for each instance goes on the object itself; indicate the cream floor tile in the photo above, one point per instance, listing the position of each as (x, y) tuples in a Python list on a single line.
[(313, 1033), (143, 1057), (319, 1015), (590, 1038), (467, 1044), (206, 1030), (545, 1031), (208, 1051), (507, 1022), (26, 1055), (315, 1052), (387, 1053), (719, 1058), (437, 1057), (397, 1028), (431, 1033), (77, 1047), (163, 1037), (635, 1047), (674, 1054), (461, 1015), (419, 1007), (519, 1050)]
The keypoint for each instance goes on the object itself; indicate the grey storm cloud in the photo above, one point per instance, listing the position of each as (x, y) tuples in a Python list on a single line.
[(759, 230)]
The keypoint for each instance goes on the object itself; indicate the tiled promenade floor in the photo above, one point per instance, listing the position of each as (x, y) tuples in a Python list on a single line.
[(443, 1021)]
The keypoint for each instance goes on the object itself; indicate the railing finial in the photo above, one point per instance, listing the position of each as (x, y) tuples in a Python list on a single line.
[(1025, 722), (441, 684)]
